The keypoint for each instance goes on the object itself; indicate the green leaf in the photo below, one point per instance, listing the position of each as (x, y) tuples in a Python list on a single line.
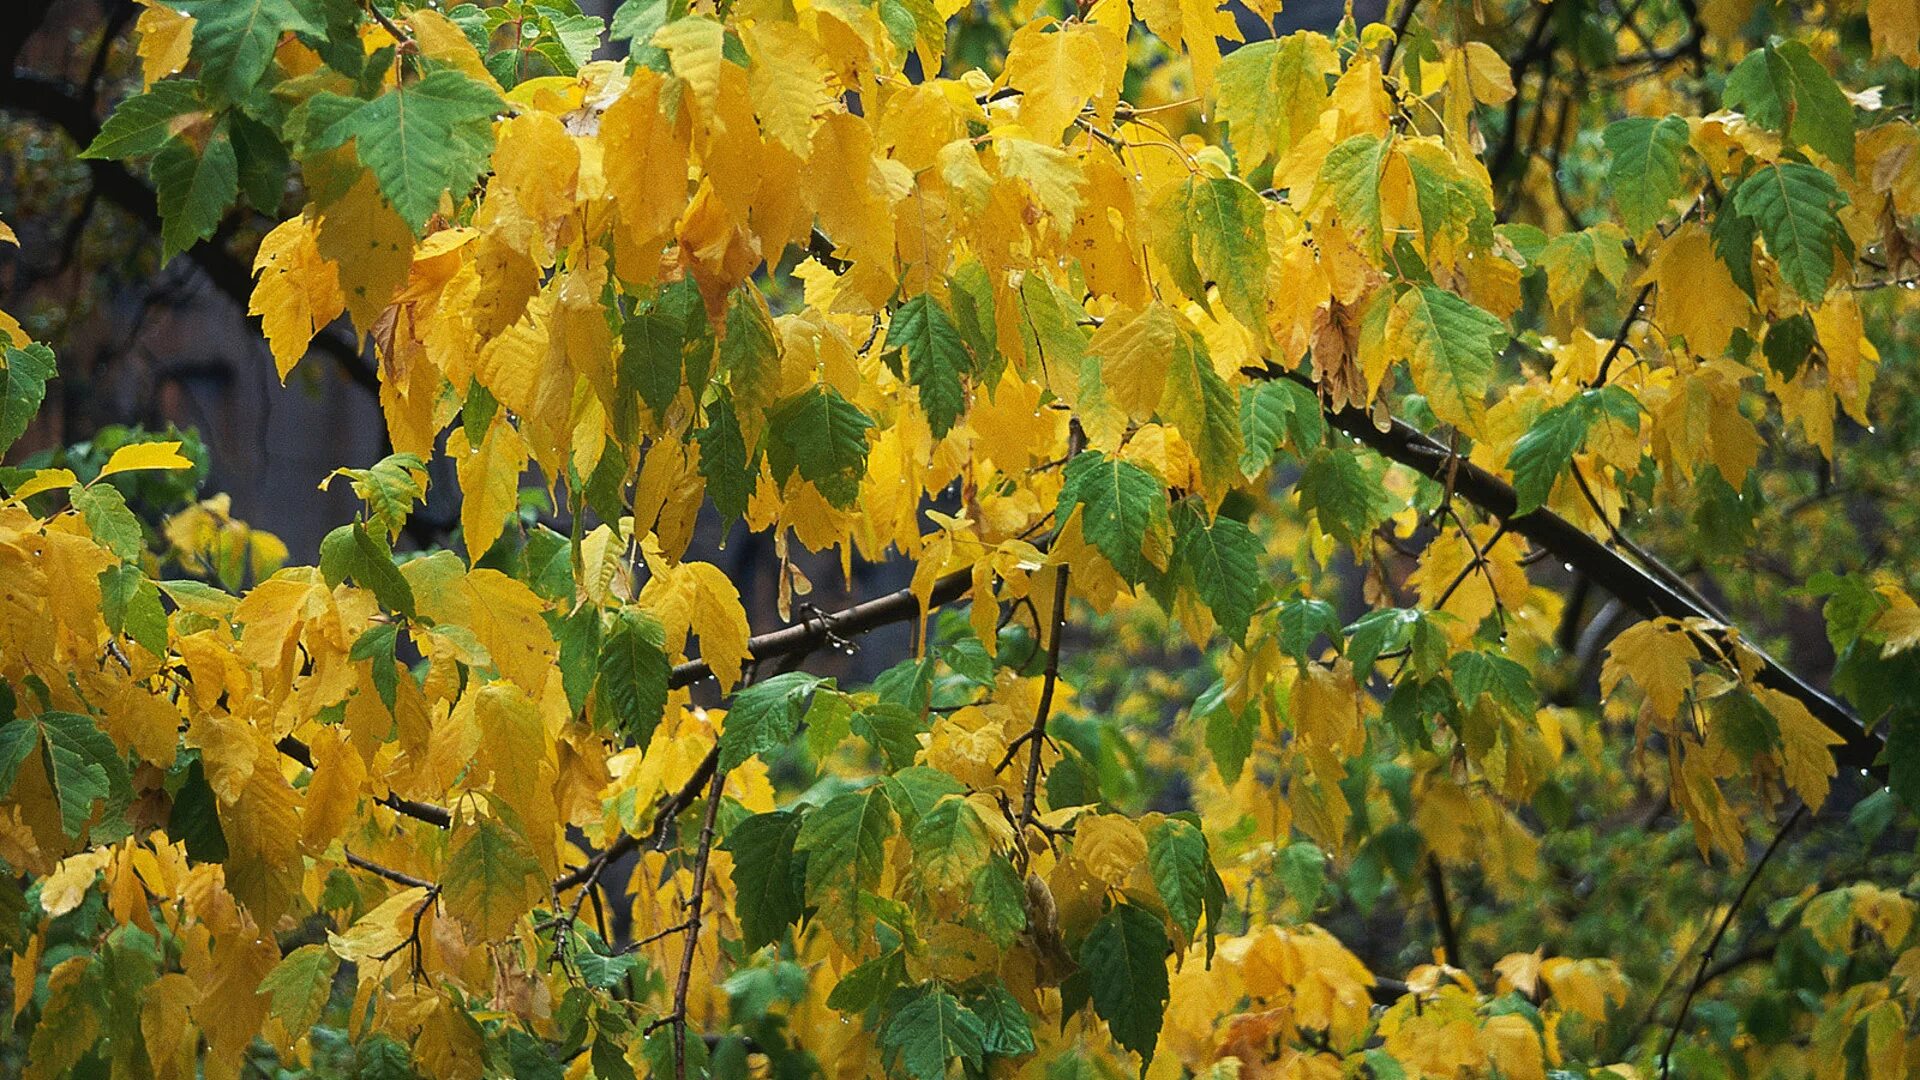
[(731, 476), (931, 1030), (1548, 447), (375, 647), (234, 40), (824, 436), (109, 520), (765, 716), (1223, 558), (1345, 495), (421, 140), (829, 720), (1177, 858), (845, 840), (299, 985), (769, 882), (1229, 223), (651, 341), (1645, 169), (1451, 345), (1784, 88), (1902, 757), (143, 123), (383, 1057), (1009, 1031), (937, 359), (131, 605), (750, 351), (1123, 502), (194, 190), (998, 905), (1199, 403), (195, 817), (1274, 411), (869, 983), (1351, 176), (373, 570), (23, 386), (950, 844), (81, 762), (1125, 958), (492, 878), (1795, 207), (630, 681), (1789, 343), (1272, 93)]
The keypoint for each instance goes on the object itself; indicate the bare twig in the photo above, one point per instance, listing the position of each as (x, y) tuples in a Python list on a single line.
[(395, 876), (1706, 955), (1634, 311), (694, 907), (1443, 913)]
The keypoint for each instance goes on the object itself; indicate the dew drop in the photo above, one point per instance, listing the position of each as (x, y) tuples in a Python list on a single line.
[(1872, 430), (1567, 566)]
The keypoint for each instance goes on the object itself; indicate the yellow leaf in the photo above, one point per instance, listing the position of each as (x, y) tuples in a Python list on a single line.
[(166, 37), (1050, 171), (380, 932), (1585, 987), (787, 83), (699, 598), (334, 792), (644, 154), (1513, 1047), (1488, 75), (1060, 69), (695, 48), (489, 481), (372, 247), (1804, 741), (440, 39), (297, 291), (1110, 846), (1895, 25), (62, 890), (48, 479), (150, 455), (1520, 971), (1697, 297), (1134, 350), (1657, 655)]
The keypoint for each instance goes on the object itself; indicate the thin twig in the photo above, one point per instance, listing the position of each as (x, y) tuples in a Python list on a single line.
[(395, 876), (694, 907), (1037, 735), (1706, 955), (1400, 25), (1634, 311)]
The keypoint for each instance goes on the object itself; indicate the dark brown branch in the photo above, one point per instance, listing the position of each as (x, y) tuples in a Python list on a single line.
[(1037, 736), (1443, 914), (1706, 955), (395, 876), (419, 811), (1400, 25), (692, 946), (1620, 338)]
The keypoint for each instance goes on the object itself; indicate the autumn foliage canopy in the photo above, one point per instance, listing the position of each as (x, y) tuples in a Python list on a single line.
[(1278, 440)]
